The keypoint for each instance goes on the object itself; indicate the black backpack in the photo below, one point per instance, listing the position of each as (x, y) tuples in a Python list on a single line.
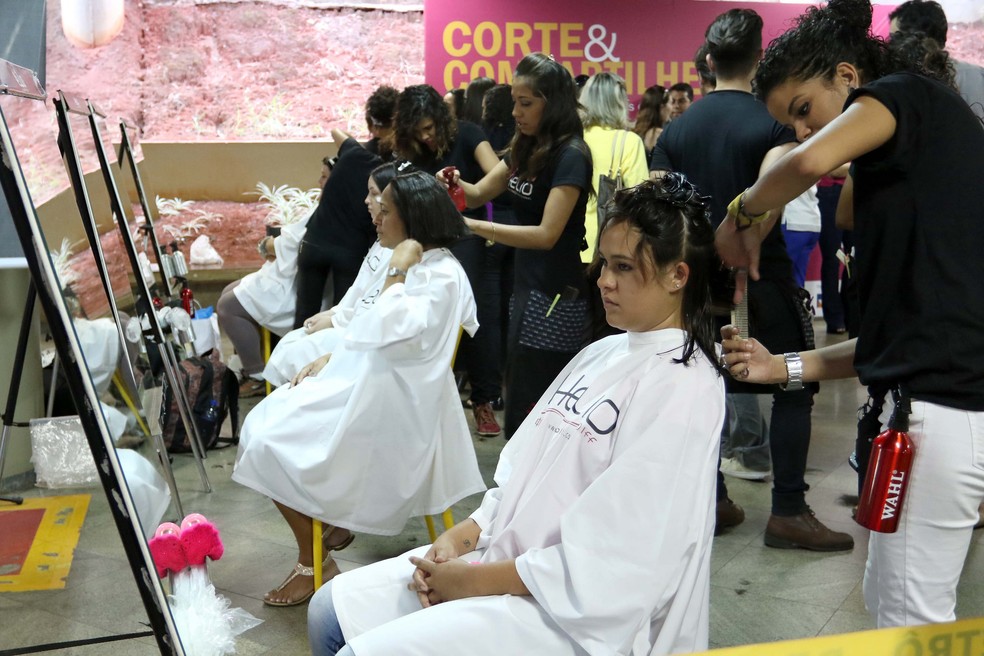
[(205, 379)]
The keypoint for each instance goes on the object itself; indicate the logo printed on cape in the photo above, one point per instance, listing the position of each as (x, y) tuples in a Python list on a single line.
[(598, 418), (369, 299)]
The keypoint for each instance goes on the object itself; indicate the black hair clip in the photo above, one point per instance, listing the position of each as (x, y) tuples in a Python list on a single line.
[(681, 192)]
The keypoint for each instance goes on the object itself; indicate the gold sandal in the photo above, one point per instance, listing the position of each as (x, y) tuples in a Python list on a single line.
[(299, 570), (329, 529)]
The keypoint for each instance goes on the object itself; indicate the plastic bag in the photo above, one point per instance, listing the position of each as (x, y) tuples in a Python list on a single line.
[(203, 253), (206, 620), (61, 454), (207, 335)]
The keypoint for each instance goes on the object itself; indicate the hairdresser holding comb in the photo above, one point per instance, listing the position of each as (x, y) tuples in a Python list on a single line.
[(547, 169)]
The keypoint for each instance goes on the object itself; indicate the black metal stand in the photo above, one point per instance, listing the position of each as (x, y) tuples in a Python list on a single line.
[(15, 380)]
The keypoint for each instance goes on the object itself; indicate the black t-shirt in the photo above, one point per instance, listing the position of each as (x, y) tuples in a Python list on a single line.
[(719, 144), (341, 218), (499, 137), (462, 156), (919, 226), (552, 270)]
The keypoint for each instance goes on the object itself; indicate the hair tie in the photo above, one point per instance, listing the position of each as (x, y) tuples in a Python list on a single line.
[(680, 192)]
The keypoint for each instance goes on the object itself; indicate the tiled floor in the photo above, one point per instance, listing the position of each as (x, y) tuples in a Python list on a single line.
[(758, 594)]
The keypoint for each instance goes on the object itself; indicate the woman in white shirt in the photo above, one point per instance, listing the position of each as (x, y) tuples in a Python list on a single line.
[(598, 538), (374, 433), (317, 336)]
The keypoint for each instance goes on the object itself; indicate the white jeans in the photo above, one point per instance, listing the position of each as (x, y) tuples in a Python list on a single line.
[(911, 575)]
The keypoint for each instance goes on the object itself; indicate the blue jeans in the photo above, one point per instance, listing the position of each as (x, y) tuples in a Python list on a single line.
[(800, 245), (324, 632), (745, 435)]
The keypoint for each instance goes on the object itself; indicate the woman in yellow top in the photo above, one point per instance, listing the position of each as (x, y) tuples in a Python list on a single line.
[(614, 149)]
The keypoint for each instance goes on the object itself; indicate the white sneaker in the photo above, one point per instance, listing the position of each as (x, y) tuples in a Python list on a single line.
[(733, 467)]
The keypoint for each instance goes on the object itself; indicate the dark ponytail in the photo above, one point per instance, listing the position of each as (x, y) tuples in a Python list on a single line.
[(920, 52)]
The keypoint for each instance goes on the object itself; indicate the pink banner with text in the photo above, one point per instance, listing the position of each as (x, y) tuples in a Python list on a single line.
[(647, 42)]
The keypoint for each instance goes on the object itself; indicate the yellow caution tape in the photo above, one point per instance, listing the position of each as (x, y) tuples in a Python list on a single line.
[(965, 637)]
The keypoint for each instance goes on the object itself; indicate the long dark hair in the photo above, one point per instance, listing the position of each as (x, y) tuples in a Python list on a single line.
[(497, 118), (672, 219), (426, 208), (826, 36), (560, 121), (416, 103), (649, 110), (472, 111)]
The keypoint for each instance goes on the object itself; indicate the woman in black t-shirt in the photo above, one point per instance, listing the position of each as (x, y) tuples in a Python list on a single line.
[(429, 137), (338, 233), (548, 172), (916, 149)]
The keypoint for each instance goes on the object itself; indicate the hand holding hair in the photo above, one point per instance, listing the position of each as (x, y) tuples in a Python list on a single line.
[(748, 361), (407, 253)]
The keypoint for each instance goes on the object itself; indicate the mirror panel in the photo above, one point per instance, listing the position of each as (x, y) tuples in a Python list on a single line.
[(77, 315), (80, 133)]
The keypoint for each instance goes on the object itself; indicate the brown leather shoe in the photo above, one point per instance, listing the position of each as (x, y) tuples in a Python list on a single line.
[(729, 514), (804, 531)]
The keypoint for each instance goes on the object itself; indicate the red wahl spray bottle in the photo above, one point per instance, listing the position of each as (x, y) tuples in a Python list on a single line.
[(454, 189), (888, 474)]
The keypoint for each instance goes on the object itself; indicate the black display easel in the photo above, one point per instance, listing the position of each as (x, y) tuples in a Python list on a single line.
[(17, 81), (15, 379)]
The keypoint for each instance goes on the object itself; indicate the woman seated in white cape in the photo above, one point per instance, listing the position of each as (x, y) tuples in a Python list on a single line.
[(598, 538), (319, 334), (264, 298), (374, 432)]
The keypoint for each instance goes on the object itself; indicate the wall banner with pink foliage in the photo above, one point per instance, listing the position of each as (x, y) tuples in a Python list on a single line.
[(645, 42)]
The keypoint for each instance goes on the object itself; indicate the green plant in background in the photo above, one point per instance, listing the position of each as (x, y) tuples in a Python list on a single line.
[(286, 205)]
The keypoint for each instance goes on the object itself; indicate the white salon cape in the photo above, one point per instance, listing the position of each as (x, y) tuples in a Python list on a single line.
[(606, 500), (270, 294), (379, 435), (299, 348), (150, 493), (100, 343)]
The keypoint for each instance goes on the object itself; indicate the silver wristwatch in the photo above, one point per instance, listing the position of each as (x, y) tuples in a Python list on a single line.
[(394, 271), (794, 372)]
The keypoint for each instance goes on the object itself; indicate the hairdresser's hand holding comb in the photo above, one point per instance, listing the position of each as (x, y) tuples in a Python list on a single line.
[(738, 241)]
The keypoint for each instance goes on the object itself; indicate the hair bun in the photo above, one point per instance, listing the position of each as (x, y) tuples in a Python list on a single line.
[(853, 14)]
